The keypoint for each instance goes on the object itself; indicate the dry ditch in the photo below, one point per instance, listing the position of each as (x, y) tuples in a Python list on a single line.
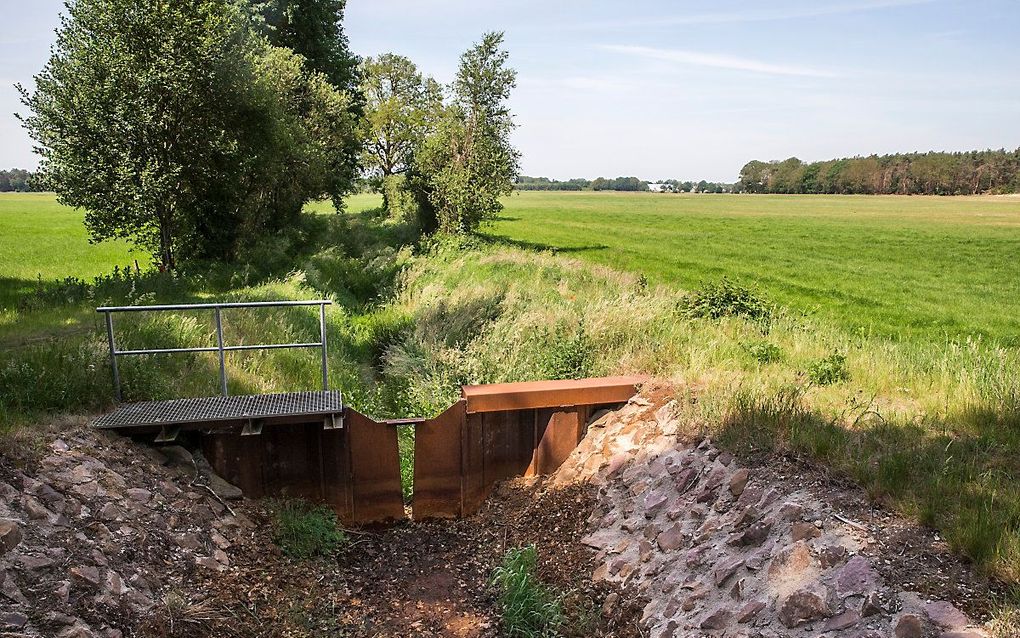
[(645, 531)]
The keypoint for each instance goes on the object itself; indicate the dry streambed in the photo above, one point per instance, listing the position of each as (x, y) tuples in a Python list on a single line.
[(643, 531)]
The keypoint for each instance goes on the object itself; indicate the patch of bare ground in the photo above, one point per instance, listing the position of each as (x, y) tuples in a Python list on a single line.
[(420, 579)]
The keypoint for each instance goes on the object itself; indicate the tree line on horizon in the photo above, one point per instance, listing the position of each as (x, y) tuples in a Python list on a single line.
[(933, 173), (528, 183), (18, 180)]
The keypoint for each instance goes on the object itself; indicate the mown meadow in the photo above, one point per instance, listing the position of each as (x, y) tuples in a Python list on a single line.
[(826, 364), (903, 267)]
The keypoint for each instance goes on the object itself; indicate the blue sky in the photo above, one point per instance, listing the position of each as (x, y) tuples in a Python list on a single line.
[(688, 89)]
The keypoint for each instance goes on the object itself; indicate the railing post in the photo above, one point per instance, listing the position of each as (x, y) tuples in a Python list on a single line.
[(113, 355), (219, 345), (322, 340)]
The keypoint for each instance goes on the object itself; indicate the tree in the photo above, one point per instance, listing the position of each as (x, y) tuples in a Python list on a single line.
[(468, 163), (400, 107), (175, 125), (313, 29)]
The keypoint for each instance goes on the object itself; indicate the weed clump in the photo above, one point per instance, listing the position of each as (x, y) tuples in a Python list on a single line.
[(726, 298), (529, 609), (570, 356), (829, 370), (303, 530), (764, 352)]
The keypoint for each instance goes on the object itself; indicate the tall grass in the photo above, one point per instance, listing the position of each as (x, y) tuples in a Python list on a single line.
[(528, 608), (930, 427)]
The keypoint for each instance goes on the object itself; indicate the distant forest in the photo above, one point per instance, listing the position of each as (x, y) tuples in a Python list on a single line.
[(18, 180), (526, 183), (966, 173)]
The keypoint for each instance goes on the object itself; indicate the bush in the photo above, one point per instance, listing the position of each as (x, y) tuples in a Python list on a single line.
[(303, 530), (529, 609), (401, 204), (727, 299), (764, 352), (831, 369), (569, 356)]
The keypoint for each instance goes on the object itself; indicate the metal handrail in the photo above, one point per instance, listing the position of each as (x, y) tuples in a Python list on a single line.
[(220, 347)]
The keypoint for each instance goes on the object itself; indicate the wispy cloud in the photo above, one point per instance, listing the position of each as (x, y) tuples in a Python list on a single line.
[(812, 10), (718, 61)]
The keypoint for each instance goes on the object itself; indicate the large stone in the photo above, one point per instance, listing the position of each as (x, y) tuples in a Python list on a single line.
[(86, 575), (726, 569), (804, 605), (748, 612), (908, 625), (846, 620), (802, 531), (670, 539), (738, 482), (216, 483), (857, 578), (946, 615), (718, 619), (754, 535), (177, 455), (13, 620), (10, 534)]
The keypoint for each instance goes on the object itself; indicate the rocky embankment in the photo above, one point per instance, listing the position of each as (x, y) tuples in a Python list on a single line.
[(97, 534), (717, 549)]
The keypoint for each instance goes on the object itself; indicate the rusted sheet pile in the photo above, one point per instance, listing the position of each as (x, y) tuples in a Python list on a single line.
[(494, 432), (354, 469), (499, 431)]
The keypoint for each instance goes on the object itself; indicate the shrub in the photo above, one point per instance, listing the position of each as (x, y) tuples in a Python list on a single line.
[(528, 608), (569, 356), (727, 299), (303, 530), (764, 352), (829, 370)]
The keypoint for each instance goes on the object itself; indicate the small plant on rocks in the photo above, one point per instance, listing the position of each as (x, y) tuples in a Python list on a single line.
[(304, 531), (529, 609)]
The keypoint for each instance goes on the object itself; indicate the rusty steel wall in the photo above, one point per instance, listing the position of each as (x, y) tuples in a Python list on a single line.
[(354, 470), (437, 464), (460, 457)]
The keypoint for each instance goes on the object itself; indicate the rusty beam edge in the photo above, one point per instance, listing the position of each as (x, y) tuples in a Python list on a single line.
[(550, 394)]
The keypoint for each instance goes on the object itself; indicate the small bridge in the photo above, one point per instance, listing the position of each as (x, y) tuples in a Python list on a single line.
[(310, 445)]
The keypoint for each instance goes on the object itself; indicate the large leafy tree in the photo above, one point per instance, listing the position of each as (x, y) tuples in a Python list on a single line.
[(400, 103), (313, 29), (174, 124), (463, 168)]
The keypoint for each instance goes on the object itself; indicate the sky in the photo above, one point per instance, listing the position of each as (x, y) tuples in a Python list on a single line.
[(684, 89)]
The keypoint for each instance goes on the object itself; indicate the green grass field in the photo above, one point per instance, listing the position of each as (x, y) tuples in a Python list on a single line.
[(896, 266), (39, 238)]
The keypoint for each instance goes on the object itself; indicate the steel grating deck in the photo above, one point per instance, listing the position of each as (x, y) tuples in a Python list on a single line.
[(209, 410)]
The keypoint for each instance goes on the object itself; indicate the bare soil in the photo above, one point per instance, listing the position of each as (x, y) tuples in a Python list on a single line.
[(420, 579)]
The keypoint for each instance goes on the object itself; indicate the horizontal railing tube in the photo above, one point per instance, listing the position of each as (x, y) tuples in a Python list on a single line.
[(220, 347), (210, 306)]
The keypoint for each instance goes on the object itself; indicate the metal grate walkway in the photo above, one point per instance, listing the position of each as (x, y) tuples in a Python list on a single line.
[(208, 410)]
